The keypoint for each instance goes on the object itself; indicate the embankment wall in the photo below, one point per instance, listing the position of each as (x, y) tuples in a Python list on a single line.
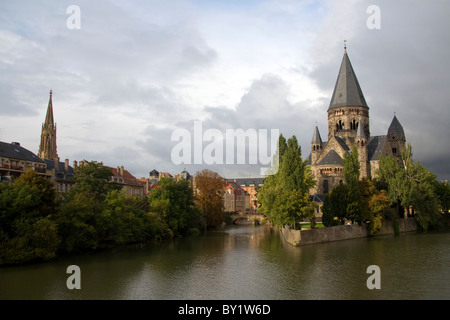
[(345, 232)]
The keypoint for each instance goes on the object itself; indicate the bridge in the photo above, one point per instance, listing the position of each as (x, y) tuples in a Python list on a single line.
[(243, 218)]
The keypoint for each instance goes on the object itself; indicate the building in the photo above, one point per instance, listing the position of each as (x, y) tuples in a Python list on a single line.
[(348, 126), (129, 183), (250, 185), (61, 174), (235, 199), (15, 160)]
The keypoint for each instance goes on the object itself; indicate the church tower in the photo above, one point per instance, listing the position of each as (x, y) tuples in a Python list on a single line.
[(363, 154), (347, 105), (47, 148)]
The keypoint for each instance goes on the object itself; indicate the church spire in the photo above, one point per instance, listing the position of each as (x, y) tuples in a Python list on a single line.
[(47, 148), (360, 131), (347, 91), (49, 116)]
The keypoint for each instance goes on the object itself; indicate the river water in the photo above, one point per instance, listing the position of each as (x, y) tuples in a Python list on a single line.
[(245, 262)]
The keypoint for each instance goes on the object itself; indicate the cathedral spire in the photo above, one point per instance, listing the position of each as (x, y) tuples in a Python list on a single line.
[(347, 91), (49, 116), (47, 148)]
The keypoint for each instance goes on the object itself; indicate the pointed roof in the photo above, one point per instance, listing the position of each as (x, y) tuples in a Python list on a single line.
[(347, 91), (316, 136), (360, 131), (332, 157), (49, 115), (396, 129)]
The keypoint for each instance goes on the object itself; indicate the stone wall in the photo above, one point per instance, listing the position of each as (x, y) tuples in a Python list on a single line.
[(345, 232)]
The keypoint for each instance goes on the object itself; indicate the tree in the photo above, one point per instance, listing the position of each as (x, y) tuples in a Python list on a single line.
[(335, 206), (27, 227), (173, 200), (80, 218), (411, 185), (351, 176), (209, 195), (284, 197)]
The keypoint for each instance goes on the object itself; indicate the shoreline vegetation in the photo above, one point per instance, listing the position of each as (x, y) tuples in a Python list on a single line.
[(38, 225)]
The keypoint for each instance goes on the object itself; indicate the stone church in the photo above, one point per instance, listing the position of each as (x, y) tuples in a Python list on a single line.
[(348, 126)]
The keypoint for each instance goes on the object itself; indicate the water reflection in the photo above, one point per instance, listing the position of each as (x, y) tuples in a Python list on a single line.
[(245, 262)]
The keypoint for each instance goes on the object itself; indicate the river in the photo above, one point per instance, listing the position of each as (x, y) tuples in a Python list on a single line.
[(245, 262)]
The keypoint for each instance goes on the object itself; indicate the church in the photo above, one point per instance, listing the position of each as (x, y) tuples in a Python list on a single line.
[(348, 126)]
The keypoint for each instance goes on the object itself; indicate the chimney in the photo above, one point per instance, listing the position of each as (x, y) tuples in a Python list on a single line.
[(121, 171), (75, 164), (56, 162), (66, 165)]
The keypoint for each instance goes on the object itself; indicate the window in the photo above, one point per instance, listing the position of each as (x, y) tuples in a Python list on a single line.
[(394, 150)]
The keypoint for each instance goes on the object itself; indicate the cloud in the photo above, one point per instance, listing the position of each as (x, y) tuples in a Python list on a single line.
[(138, 70)]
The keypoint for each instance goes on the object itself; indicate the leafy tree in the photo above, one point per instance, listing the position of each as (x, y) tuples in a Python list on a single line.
[(27, 228), (412, 185), (442, 190), (284, 197), (351, 173), (210, 188), (336, 205), (173, 200)]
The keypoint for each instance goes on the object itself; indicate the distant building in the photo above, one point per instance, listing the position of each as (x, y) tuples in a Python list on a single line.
[(236, 199), (131, 185), (250, 185), (15, 160), (61, 174)]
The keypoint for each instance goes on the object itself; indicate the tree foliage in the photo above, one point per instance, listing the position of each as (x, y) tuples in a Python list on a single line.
[(27, 229), (284, 197), (411, 185), (209, 197), (174, 201)]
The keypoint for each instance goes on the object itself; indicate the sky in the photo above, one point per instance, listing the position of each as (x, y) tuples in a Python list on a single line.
[(127, 76)]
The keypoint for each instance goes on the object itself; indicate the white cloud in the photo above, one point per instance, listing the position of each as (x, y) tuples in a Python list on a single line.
[(137, 70)]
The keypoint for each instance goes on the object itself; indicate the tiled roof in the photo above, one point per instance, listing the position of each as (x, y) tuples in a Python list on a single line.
[(375, 147), (347, 91), (331, 158), (15, 151)]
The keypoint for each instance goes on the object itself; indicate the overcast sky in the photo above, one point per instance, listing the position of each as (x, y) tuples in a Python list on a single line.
[(135, 71)]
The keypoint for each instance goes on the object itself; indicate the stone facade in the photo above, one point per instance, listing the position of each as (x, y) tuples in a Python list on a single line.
[(348, 126)]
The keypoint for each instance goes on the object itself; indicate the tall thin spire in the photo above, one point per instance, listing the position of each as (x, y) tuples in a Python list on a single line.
[(47, 147), (49, 116)]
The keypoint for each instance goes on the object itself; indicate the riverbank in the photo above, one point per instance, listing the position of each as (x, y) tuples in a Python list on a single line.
[(344, 232)]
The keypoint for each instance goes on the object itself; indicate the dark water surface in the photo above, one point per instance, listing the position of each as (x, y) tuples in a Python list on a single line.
[(245, 262)]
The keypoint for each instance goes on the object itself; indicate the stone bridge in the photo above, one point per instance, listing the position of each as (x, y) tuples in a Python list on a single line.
[(237, 218)]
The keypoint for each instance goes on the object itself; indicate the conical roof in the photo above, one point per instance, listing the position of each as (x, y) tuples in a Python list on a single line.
[(360, 131), (347, 91), (49, 115), (396, 129), (316, 136)]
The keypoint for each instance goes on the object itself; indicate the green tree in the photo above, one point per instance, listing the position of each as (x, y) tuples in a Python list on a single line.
[(336, 204), (411, 185), (27, 227), (79, 221), (173, 200), (351, 173), (284, 197)]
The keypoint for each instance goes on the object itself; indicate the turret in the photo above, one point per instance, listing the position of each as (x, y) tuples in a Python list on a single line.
[(316, 145)]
